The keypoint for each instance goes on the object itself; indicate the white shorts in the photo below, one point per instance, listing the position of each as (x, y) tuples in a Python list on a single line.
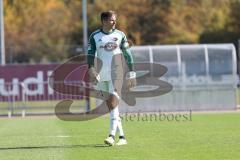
[(109, 87)]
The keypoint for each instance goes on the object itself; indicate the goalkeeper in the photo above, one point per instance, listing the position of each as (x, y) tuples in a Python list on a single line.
[(111, 47)]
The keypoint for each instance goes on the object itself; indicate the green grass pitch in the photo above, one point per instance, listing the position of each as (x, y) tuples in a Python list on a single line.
[(211, 136)]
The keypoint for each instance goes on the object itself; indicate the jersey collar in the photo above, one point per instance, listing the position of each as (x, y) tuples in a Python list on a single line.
[(107, 32)]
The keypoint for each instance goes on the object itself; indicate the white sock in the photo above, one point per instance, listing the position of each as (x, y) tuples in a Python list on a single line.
[(120, 129), (115, 122), (114, 115)]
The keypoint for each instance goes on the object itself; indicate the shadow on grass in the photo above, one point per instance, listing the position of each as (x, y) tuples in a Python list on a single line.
[(54, 147)]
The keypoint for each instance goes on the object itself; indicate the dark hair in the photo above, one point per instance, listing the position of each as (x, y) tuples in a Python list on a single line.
[(106, 15)]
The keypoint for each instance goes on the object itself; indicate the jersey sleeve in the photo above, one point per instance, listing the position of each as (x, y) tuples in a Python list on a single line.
[(126, 52), (91, 51)]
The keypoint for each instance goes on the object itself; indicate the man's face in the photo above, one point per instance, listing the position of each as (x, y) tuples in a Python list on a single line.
[(110, 23)]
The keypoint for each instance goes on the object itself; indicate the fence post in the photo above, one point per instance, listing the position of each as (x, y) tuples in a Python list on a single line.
[(238, 63), (10, 106), (23, 99)]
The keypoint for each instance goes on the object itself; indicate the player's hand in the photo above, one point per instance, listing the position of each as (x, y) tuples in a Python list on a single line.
[(93, 75), (131, 79)]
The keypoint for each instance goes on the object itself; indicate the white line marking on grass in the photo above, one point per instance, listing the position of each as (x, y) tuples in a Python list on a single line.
[(60, 136)]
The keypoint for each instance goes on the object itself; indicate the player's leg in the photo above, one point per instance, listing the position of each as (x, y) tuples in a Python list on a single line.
[(122, 139), (116, 125), (115, 89), (110, 101), (113, 126), (112, 104), (104, 86)]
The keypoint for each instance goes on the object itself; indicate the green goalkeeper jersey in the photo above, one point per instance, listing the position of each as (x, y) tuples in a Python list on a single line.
[(105, 46)]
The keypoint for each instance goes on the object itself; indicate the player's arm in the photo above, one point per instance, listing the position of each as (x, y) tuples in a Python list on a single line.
[(127, 53), (131, 75), (90, 60), (91, 52)]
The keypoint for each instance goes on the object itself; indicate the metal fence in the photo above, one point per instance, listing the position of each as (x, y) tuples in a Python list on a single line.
[(204, 77), (38, 98)]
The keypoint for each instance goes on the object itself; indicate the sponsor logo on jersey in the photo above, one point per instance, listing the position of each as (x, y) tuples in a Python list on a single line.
[(110, 46), (115, 38)]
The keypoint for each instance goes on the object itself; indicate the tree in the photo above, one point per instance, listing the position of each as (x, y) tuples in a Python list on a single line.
[(38, 29), (189, 19), (233, 23)]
